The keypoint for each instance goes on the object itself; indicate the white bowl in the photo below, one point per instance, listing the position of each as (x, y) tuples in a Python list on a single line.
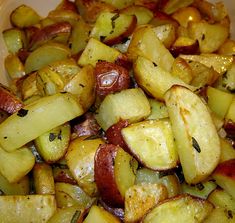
[(42, 7)]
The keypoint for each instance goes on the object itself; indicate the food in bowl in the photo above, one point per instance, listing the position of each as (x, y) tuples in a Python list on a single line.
[(118, 111)]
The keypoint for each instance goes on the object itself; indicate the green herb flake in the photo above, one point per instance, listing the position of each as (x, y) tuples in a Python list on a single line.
[(229, 214), (102, 38), (59, 135), (52, 137), (113, 20), (75, 217), (22, 112), (196, 145), (199, 186)]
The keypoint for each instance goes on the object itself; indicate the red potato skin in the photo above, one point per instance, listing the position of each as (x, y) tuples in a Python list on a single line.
[(161, 18), (64, 178), (188, 50), (149, 4), (23, 55), (105, 177), (114, 136), (123, 61), (89, 127), (8, 101), (49, 32), (118, 212), (67, 5), (229, 128), (110, 78), (226, 168), (125, 34)]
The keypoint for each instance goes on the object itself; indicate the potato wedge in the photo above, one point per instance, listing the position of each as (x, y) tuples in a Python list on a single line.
[(19, 129), (183, 208), (209, 36), (139, 199), (152, 143), (143, 14), (153, 79), (112, 108), (227, 150), (43, 179), (219, 101), (24, 16), (80, 160), (82, 86), (9, 102), (69, 214), (187, 14), (68, 195), (225, 177), (171, 6), (171, 181), (16, 164), (166, 33), (158, 110), (221, 215), (220, 198), (220, 63), (14, 39), (112, 28), (95, 51), (44, 55), (14, 67), (19, 188), (50, 32), (52, 145), (114, 173), (27, 209), (155, 52), (79, 36), (198, 144), (99, 215)]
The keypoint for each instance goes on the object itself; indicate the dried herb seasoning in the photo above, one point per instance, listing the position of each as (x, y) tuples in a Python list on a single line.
[(52, 136), (196, 145), (22, 112), (75, 216)]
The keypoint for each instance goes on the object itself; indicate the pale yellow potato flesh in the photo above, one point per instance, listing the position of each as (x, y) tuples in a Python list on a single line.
[(27, 209), (196, 137), (38, 117), (180, 209)]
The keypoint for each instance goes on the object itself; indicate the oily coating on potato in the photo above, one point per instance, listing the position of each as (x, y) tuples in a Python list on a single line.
[(110, 78)]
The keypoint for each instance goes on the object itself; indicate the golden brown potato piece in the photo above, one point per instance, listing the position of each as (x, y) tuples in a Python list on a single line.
[(63, 175), (110, 78), (114, 135), (171, 6), (186, 15), (183, 208), (91, 9), (113, 28), (8, 101), (184, 45)]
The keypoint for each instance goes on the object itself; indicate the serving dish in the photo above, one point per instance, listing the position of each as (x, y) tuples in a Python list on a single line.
[(43, 6)]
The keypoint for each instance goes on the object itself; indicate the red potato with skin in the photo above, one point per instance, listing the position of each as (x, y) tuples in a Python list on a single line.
[(104, 175), (229, 128), (49, 32), (149, 4), (224, 176), (114, 135), (8, 101), (110, 78), (88, 127), (184, 45), (114, 173), (67, 5)]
